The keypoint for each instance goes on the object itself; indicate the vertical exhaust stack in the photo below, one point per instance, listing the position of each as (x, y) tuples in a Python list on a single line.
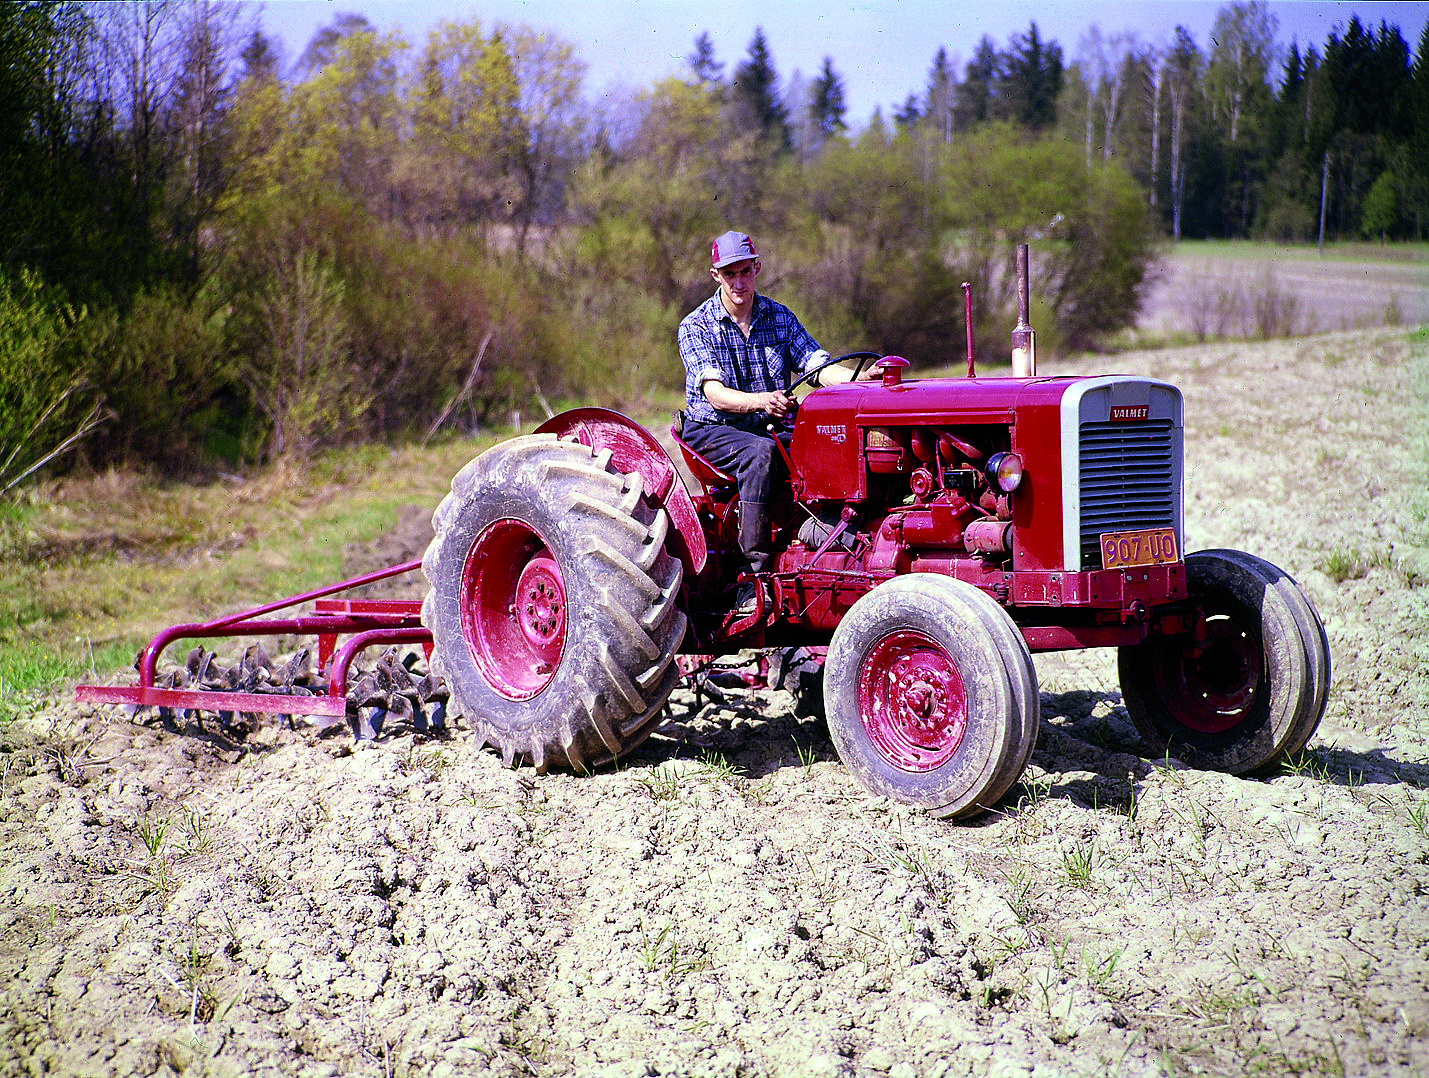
[(1024, 341), (968, 322)]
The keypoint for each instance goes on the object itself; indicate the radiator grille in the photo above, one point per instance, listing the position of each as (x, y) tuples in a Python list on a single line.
[(1127, 481)]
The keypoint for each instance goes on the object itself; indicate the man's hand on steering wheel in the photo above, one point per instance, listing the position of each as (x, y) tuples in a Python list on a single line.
[(776, 403)]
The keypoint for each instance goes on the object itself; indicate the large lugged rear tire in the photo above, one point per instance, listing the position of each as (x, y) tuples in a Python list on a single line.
[(931, 695), (553, 603), (1250, 694)]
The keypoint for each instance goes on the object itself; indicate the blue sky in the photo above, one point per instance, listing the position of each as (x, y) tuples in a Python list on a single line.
[(882, 48)]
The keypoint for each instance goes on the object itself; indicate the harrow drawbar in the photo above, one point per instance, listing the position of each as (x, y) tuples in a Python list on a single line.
[(258, 685)]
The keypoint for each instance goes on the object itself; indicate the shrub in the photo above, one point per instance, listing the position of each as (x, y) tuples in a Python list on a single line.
[(1100, 271), (1275, 311), (162, 368), (1291, 221), (47, 405), (298, 363), (1379, 215), (873, 264), (1215, 307)]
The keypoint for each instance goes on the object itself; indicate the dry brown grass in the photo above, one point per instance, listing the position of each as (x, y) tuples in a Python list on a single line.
[(1248, 290)]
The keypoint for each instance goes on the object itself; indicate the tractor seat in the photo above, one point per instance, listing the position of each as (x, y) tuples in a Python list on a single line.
[(708, 475)]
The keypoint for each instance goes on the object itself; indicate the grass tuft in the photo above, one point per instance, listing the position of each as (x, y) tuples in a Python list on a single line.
[(663, 783), (1079, 862), (716, 768), (1417, 812)]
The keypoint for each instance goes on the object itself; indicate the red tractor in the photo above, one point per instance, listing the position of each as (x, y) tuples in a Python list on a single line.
[(932, 535)]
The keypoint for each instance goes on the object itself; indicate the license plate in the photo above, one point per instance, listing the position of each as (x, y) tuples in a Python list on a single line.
[(1150, 546)]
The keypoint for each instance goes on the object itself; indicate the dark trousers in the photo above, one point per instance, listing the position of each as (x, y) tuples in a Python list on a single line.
[(747, 455), (754, 461)]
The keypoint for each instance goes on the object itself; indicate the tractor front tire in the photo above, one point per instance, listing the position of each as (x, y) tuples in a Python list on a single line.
[(1249, 694), (931, 695), (553, 603)]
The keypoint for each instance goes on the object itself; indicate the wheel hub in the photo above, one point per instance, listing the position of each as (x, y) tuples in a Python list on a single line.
[(513, 609), (1212, 687), (540, 607), (912, 701)]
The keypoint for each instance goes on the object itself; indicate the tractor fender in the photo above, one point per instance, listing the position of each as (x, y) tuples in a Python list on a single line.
[(634, 449)]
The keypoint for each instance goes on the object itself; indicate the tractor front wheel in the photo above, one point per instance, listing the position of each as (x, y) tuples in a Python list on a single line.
[(553, 603), (1246, 692), (931, 695)]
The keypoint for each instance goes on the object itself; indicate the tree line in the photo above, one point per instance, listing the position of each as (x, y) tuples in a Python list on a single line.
[(208, 256)]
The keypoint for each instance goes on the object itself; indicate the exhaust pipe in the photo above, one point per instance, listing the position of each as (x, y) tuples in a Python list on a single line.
[(1024, 341)]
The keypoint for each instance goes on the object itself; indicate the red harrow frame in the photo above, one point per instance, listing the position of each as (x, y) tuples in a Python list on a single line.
[(365, 622)]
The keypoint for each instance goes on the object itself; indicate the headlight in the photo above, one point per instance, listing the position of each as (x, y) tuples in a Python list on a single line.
[(1004, 471)]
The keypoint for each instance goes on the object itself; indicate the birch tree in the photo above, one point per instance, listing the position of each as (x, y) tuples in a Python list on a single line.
[(1184, 67), (1242, 51)]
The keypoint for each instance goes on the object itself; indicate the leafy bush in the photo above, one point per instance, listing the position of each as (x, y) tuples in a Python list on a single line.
[(298, 364), (875, 271), (47, 406), (1002, 186), (1379, 215), (162, 368), (645, 209), (1100, 271), (907, 221), (1290, 220)]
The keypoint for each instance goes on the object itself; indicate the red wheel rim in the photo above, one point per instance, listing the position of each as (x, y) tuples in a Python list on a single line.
[(1211, 687), (912, 701), (513, 609)]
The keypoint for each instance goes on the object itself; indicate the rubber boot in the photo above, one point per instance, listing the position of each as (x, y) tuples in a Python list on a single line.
[(755, 543), (754, 537)]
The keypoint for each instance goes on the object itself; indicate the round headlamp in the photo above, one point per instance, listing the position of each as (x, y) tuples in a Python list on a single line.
[(1004, 471)]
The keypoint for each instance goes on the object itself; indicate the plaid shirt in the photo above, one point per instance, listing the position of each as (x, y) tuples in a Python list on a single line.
[(712, 347)]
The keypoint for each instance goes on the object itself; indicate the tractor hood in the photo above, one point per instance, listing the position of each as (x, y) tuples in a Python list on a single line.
[(832, 425), (853, 442)]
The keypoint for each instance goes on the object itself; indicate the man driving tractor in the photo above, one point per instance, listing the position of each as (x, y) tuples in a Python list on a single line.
[(740, 349)]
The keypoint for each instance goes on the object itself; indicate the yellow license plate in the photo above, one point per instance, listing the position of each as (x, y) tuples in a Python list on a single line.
[(1150, 546)]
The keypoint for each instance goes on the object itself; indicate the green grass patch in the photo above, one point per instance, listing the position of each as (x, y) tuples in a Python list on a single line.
[(91, 569), (1333, 252), (26, 673), (1351, 563), (25, 670)]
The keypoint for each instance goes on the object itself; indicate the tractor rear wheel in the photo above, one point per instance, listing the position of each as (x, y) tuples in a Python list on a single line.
[(931, 695), (1249, 694), (553, 603)]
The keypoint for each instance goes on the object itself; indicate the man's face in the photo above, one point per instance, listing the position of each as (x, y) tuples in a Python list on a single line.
[(736, 284)]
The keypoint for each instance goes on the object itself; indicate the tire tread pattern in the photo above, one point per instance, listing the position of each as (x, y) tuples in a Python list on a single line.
[(1297, 671), (624, 622)]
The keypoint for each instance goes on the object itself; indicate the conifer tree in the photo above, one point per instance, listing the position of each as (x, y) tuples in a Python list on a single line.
[(827, 101), (755, 96)]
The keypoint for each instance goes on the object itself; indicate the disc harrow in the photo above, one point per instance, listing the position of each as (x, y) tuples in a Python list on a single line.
[(394, 689), (320, 684)]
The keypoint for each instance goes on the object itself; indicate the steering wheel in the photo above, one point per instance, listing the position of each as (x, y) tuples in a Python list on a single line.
[(862, 357)]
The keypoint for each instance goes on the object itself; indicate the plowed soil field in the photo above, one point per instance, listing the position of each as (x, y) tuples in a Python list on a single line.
[(729, 902)]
